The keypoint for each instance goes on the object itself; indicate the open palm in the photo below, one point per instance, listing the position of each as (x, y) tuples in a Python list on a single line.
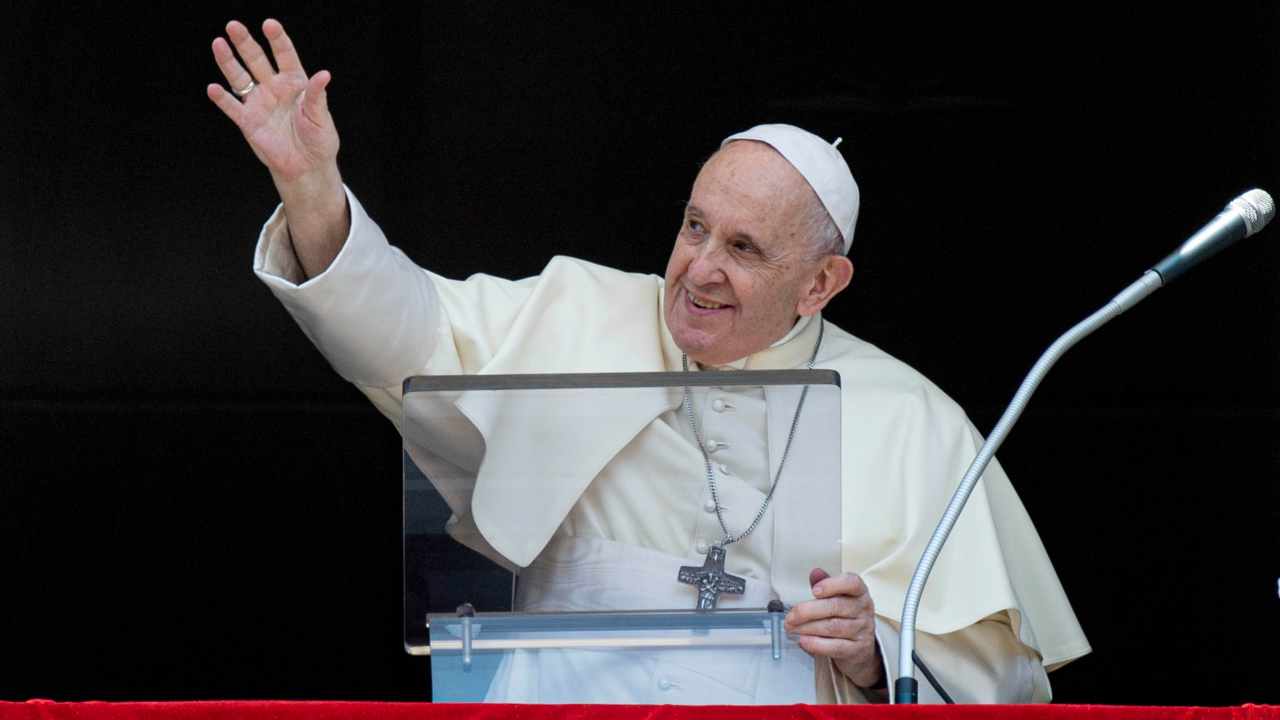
[(284, 114)]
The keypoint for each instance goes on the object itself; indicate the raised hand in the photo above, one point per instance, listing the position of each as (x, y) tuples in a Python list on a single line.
[(283, 114), (285, 117)]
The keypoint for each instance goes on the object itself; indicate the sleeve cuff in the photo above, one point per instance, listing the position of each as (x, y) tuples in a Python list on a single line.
[(884, 665), (884, 632), (274, 260)]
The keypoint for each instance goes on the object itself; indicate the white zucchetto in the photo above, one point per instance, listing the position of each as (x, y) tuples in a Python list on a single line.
[(821, 165)]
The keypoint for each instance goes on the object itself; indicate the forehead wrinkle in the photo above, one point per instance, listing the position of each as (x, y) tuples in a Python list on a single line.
[(760, 188), (729, 210), (768, 167), (691, 209)]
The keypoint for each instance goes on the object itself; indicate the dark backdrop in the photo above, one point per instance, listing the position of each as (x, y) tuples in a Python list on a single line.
[(192, 505)]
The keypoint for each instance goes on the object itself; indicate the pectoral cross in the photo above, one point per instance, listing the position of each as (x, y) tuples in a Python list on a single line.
[(711, 579)]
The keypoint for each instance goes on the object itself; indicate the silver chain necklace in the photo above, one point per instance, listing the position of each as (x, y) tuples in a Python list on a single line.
[(711, 578)]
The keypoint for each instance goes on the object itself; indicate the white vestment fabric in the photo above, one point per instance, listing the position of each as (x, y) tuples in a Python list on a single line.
[(994, 615), (585, 573)]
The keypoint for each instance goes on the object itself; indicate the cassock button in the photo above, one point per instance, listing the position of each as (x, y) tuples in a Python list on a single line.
[(701, 547), (718, 405), (724, 469), (664, 684), (711, 446), (709, 506)]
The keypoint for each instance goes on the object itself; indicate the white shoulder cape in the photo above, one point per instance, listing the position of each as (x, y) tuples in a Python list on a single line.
[(905, 443)]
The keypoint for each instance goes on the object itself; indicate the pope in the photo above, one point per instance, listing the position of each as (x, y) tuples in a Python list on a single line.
[(761, 251)]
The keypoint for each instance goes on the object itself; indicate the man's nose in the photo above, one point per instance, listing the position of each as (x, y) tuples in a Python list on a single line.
[(707, 267)]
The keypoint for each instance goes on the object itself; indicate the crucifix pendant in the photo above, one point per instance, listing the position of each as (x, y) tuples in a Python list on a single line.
[(711, 579)]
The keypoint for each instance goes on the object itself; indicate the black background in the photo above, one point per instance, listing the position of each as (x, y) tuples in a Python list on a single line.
[(192, 505)]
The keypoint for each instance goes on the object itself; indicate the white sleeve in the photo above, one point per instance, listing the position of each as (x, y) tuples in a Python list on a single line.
[(372, 313), (981, 663)]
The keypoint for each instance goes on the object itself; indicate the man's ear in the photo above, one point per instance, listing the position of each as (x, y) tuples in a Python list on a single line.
[(833, 275)]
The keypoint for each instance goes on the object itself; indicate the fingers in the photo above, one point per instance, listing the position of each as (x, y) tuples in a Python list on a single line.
[(236, 76), (229, 106), (315, 105), (817, 575), (838, 627), (251, 52), (811, 610), (837, 648), (844, 584), (841, 596), (281, 47), (857, 659)]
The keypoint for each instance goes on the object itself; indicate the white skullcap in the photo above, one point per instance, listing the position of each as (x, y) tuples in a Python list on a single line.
[(821, 165)]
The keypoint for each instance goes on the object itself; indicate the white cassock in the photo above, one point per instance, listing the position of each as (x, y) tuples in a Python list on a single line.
[(633, 494)]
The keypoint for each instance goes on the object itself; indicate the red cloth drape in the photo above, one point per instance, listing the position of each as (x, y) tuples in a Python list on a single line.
[(288, 710)]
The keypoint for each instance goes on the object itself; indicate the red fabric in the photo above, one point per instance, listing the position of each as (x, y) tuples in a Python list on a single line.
[(289, 710)]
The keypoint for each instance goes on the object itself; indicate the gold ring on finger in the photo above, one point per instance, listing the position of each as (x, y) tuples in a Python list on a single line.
[(247, 89)]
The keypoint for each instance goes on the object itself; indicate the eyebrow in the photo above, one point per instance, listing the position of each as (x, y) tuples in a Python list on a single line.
[(691, 209)]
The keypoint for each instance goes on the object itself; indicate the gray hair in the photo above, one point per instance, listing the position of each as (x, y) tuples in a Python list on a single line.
[(821, 229)]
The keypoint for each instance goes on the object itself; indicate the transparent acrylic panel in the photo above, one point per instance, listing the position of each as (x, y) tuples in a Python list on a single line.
[(548, 494), (725, 657)]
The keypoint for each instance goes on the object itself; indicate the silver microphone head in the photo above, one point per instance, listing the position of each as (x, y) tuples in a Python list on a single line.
[(1256, 208)]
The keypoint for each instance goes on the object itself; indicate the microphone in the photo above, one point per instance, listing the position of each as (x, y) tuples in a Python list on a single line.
[(1242, 217)]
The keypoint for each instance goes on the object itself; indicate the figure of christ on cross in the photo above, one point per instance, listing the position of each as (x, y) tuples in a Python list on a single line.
[(711, 579)]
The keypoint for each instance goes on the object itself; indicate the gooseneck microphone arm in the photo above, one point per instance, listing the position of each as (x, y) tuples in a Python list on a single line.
[(905, 687), (1244, 216)]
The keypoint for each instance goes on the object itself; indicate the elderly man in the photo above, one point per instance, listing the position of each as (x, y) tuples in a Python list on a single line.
[(760, 252)]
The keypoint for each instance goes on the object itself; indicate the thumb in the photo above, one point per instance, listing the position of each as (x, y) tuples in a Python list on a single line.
[(315, 99), (817, 575)]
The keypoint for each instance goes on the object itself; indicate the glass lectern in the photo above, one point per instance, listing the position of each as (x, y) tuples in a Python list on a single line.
[(564, 535)]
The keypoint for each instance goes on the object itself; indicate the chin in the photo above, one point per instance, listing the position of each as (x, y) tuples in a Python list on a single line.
[(691, 343)]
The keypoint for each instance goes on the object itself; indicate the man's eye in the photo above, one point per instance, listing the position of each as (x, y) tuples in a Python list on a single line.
[(695, 226), (745, 247)]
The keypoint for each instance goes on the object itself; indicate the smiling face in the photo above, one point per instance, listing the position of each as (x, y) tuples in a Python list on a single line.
[(743, 267)]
